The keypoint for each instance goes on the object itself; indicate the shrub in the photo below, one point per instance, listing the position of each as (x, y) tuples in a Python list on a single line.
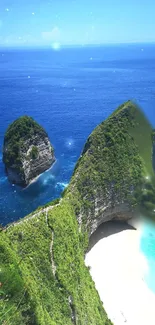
[(34, 153)]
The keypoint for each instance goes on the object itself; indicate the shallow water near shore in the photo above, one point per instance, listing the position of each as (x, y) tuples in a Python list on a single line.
[(147, 247), (120, 268)]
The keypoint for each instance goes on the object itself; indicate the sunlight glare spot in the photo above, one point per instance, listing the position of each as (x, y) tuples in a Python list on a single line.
[(56, 46)]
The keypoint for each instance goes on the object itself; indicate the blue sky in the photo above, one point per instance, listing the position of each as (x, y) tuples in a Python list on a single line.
[(48, 22)]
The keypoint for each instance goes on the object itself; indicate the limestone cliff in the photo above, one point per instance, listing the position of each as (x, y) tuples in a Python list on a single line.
[(114, 174), (43, 278), (27, 151)]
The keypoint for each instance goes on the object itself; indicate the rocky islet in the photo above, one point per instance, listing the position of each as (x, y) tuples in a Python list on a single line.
[(27, 151)]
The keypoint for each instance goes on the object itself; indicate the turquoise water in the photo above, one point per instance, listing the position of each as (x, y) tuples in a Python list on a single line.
[(69, 93), (147, 245)]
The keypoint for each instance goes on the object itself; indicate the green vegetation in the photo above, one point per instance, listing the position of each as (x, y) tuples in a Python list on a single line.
[(43, 279), (14, 300), (17, 133), (47, 205), (153, 136), (142, 133), (114, 162), (34, 153), (33, 292)]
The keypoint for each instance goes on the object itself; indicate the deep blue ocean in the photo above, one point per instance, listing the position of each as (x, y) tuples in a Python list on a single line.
[(69, 92)]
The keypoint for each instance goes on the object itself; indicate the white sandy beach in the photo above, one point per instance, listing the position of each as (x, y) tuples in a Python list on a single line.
[(118, 268)]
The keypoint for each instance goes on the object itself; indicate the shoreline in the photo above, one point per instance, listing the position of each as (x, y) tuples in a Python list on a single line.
[(37, 177), (118, 268)]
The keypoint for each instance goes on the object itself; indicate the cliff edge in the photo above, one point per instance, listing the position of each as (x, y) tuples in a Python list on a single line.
[(27, 151), (114, 175), (43, 278)]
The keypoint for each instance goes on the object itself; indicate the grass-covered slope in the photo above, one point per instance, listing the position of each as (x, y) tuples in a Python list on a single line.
[(115, 162), (43, 279), (141, 130), (142, 133)]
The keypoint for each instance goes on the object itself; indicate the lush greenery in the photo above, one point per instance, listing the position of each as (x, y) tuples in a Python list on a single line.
[(117, 159), (17, 133), (31, 293), (43, 279), (34, 153)]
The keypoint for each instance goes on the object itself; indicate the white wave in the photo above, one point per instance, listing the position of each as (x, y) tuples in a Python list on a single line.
[(47, 179), (62, 185), (3, 179)]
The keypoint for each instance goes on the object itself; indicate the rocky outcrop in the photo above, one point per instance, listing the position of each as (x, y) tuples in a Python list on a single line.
[(32, 167), (103, 213), (33, 153), (105, 208), (111, 177)]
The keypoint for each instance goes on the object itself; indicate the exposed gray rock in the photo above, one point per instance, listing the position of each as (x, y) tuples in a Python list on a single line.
[(106, 208), (29, 156), (31, 167)]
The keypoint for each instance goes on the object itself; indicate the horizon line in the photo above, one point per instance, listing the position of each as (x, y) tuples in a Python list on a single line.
[(5, 47)]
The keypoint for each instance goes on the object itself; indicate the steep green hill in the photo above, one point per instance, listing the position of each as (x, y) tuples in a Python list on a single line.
[(43, 278), (141, 132), (115, 168)]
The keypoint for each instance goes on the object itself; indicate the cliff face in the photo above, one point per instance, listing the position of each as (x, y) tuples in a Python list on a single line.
[(111, 177), (26, 154), (31, 167), (43, 278)]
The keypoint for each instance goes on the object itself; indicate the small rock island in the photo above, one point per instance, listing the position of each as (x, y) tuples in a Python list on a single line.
[(27, 151)]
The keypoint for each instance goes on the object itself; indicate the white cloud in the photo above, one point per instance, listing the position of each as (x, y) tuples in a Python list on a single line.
[(53, 35)]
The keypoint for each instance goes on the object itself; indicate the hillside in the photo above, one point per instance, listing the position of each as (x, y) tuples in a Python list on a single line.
[(43, 278), (114, 174)]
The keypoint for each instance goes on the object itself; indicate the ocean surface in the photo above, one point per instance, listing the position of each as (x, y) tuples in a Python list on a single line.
[(69, 92), (147, 247)]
